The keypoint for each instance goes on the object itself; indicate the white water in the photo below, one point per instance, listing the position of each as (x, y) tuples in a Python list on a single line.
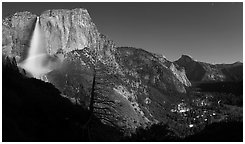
[(38, 62), (37, 41)]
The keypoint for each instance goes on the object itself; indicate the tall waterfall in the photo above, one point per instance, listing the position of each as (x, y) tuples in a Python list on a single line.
[(38, 62), (37, 42)]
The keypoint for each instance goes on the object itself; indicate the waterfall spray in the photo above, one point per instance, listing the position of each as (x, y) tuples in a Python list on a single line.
[(38, 62)]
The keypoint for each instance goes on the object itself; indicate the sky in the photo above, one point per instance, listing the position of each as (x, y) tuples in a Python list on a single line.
[(209, 32)]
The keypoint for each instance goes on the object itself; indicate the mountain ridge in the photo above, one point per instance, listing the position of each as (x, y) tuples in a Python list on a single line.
[(197, 71)]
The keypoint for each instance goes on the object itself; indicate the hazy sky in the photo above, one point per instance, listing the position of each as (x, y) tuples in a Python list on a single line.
[(210, 32)]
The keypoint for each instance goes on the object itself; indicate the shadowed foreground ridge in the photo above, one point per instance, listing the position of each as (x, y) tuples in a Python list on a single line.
[(34, 110)]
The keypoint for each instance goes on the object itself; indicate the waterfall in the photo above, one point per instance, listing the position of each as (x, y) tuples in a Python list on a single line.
[(38, 62), (37, 42)]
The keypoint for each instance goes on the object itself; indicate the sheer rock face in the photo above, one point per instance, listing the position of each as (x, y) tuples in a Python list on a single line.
[(180, 75), (68, 30), (132, 87)]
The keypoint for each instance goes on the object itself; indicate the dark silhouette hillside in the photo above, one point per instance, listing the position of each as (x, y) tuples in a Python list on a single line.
[(216, 132), (235, 88), (34, 111), (229, 92), (219, 132)]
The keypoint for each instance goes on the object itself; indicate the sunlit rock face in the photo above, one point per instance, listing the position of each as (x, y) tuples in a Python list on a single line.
[(67, 30), (180, 75), (179, 72), (133, 87)]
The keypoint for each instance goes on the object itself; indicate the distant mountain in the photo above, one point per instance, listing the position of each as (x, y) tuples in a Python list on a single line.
[(200, 71), (179, 72)]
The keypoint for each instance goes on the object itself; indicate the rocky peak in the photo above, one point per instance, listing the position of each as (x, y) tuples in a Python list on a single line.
[(185, 58), (179, 72)]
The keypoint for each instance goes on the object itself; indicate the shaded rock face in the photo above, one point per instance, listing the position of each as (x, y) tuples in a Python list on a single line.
[(200, 71), (194, 70), (132, 87)]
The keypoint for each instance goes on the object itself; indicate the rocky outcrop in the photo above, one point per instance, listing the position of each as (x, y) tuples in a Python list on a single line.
[(179, 72), (180, 75), (199, 71)]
